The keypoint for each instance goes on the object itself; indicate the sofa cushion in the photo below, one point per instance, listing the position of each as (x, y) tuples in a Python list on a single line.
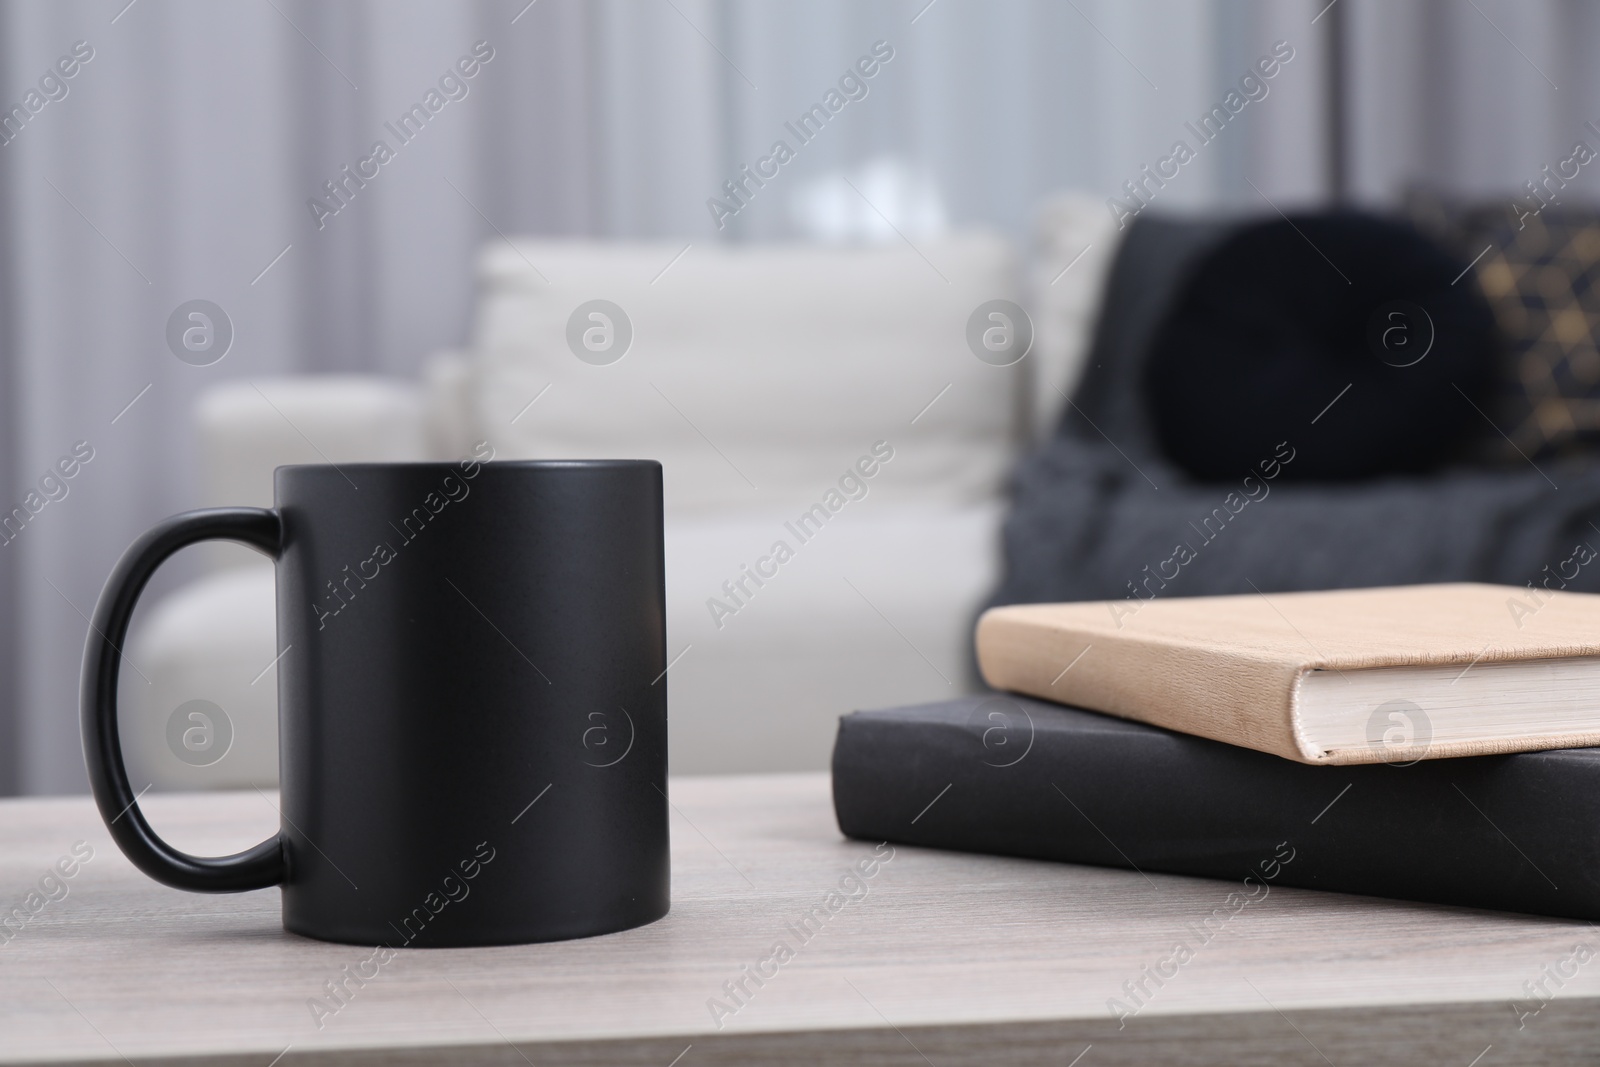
[(875, 611), (753, 371)]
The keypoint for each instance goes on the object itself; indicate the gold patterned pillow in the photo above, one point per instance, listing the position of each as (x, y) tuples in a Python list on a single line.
[(1542, 280)]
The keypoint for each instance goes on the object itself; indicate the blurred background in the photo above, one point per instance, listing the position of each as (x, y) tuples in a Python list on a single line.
[(207, 267)]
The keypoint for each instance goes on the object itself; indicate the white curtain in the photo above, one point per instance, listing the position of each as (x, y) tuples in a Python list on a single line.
[(179, 163), (1471, 98)]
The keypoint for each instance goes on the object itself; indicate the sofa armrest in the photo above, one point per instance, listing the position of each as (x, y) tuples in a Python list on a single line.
[(246, 429), (450, 420)]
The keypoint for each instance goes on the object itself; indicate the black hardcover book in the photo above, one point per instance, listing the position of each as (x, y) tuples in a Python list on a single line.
[(1013, 776)]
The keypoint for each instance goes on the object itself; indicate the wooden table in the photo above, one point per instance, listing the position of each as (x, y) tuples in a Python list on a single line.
[(946, 959)]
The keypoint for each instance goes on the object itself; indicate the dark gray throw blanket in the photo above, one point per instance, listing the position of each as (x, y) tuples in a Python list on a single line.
[(1100, 513)]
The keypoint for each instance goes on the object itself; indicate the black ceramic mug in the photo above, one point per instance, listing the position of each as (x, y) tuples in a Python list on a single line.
[(472, 701)]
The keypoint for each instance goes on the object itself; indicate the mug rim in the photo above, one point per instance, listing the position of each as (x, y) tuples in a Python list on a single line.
[(452, 464)]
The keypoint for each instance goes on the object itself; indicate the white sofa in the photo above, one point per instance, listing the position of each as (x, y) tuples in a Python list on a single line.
[(757, 375)]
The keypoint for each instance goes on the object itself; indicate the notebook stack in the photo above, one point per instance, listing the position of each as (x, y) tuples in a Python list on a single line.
[(1428, 743)]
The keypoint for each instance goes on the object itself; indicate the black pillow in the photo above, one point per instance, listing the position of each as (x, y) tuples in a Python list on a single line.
[(1276, 322)]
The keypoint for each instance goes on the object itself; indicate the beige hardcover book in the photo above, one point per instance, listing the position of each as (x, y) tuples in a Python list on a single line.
[(1338, 677)]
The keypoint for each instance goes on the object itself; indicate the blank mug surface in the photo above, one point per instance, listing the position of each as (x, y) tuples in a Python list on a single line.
[(474, 646)]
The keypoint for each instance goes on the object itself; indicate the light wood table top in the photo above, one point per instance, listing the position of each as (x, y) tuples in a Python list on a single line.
[(947, 959)]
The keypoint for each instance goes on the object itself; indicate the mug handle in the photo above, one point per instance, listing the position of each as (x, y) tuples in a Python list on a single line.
[(256, 868)]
